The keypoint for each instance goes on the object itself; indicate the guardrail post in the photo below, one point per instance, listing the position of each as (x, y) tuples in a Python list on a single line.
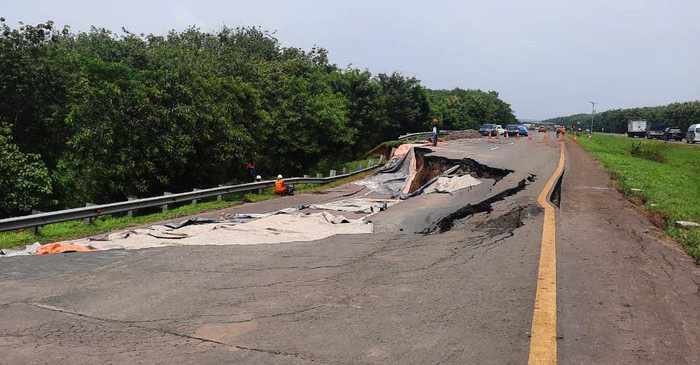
[(319, 175), (88, 220), (370, 163), (359, 165), (34, 230), (130, 213), (345, 170), (307, 176), (331, 173), (381, 159), (164, 207), (393, 149), (220, 196), (194, 201)]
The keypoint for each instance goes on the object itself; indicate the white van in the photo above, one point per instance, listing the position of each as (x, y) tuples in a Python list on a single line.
[(693, 134)]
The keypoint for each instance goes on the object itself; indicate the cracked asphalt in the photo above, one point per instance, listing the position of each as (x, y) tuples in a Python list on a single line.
[(397, 296)]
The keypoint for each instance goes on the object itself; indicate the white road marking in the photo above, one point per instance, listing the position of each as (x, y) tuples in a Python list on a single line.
[(511, 143), (495, 148)]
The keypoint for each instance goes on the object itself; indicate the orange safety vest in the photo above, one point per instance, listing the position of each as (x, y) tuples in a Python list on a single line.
[(280, 186)]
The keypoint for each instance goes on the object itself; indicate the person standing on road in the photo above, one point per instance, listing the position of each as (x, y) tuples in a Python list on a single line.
[(250, 169), (436, 131)]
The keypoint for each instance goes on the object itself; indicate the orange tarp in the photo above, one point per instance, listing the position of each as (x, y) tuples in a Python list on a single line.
[(61, 247), (403, 149)]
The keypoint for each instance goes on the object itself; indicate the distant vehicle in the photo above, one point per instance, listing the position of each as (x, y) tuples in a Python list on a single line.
[(693, 134), (542, 129), (488, 128), (637, 128), (512, 129), (673, 133), (656, 130), (522, 130), (500, 129)]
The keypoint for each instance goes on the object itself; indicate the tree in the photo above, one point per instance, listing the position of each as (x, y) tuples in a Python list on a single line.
[(406, 103), (24, 179)]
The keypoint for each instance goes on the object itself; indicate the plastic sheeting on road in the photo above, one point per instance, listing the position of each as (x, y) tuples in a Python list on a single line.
[(356, 205), (449, 184), (277, 228), (391, 180), (62, 247), (27, 250)]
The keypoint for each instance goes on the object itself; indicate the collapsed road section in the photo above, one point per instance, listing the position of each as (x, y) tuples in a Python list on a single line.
[(413, 171)]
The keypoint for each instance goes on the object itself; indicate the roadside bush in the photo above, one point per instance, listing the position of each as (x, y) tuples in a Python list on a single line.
[(649, 152)]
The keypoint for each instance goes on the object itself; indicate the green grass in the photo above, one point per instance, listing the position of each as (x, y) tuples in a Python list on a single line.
[(670, 190), (107, 223)]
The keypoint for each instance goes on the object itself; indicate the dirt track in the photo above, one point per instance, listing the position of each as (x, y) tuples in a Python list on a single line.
[(398, 296)]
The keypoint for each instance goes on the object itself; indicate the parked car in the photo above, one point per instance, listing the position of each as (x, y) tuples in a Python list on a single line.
[(512, 129), (542, 129), (673, 133), (656, 130), (522, 130), (500, 129), (693, 134), (637, 128), (488, 128)]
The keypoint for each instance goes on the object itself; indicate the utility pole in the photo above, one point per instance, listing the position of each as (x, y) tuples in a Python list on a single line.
[(593, 103)]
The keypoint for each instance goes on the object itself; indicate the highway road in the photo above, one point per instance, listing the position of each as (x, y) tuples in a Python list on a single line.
[(495, 274)]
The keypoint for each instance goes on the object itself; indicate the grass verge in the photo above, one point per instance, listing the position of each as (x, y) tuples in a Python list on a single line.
[(663, 178), (107, 223)]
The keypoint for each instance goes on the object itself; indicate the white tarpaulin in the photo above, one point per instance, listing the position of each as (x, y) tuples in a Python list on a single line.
[(277, 228), (445, 184), (392, 179), (356, 205)]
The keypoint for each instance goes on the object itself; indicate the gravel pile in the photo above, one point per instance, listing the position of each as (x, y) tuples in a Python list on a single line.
[(469, 133)]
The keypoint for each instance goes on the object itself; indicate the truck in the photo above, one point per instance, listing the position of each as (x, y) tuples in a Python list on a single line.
[(637, 128), (656, 130)]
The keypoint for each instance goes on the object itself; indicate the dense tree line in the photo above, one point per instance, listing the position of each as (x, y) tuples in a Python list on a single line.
[(97, 116), (680, 115), (465, 109)]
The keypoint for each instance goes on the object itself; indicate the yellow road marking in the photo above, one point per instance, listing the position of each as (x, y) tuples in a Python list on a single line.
[(543, 341)]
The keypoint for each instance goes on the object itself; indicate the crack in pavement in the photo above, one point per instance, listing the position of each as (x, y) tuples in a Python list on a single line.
[(182, 335)]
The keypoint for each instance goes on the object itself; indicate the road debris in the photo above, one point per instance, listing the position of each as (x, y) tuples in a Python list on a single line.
[(686, 224)]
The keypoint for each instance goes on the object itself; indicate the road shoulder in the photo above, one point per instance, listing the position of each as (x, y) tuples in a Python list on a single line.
[(627, 293)]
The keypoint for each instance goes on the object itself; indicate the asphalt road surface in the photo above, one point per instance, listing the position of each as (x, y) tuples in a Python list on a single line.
[(445, 279)]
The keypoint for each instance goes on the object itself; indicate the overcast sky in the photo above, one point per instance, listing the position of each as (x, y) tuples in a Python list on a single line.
[(546, 58)]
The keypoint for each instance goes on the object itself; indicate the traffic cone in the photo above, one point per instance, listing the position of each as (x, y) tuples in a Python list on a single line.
[(497, 134), (517, 136), (506, 135), (574, 138), (545, 137), (529, 136), (489, 135)]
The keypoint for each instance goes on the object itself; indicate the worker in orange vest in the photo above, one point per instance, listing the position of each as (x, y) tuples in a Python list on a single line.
[(281, 187)]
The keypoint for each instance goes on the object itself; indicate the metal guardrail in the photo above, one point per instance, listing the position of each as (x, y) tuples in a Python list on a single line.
[(410, 135), (40, 219)]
